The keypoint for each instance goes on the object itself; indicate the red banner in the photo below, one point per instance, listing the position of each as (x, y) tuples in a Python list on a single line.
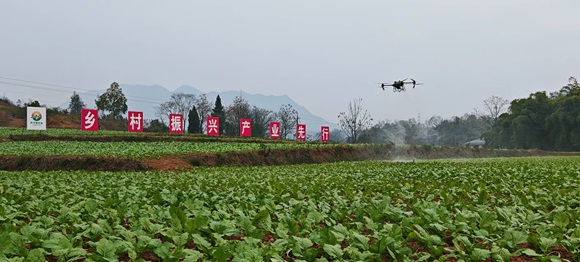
[(89, 119), (324, 134), (301, 132), (134, 121), (274, 130), (245, 127), (212, 126), (175, 123)]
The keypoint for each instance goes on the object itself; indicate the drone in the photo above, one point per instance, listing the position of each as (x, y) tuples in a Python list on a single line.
[(399, 85)]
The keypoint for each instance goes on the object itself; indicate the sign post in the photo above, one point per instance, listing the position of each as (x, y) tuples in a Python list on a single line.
[(89, 119), (274, 130), (175, 124), (325, 134), (212, 126), (135, 121), (35, 118), (245, 127), (301, 132)]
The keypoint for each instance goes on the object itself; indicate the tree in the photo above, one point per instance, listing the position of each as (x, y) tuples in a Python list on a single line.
[(162, 112), (204, 108), (76, 104), (193, 118), (288, 118), (260, 121), (31, 103), (415, 132), (218, 111), (337, 136), (355, 120), (458, 130), (240, 108), (494, 106), (179, 103), (155, 126), (113, 101), (571, 88)]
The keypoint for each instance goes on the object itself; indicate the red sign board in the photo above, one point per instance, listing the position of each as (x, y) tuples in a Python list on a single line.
[(89, 119), (324, 134), (301, 132), (245, 127), (175, 123), (134, 121), (274, 130), (212, 126)]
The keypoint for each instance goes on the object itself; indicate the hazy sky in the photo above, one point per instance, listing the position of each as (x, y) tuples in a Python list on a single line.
[(323, 54)]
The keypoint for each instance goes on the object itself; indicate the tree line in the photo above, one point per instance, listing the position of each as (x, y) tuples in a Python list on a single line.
[(113, 104), (540, 121), (547, 121)]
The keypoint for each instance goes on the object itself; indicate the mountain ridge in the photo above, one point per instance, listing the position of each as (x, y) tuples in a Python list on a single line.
[(145, 97)]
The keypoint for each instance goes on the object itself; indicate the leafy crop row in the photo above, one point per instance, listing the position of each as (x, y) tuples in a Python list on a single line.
[(131, 149), (7, 131), (360, 211)]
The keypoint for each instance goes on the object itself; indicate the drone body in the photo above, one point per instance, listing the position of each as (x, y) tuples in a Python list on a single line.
[(399, 85)]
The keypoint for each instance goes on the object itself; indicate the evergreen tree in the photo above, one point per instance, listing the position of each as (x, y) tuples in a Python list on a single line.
[(76, 104), (218, 111), (193, 127), (31, 103), (113, 101)]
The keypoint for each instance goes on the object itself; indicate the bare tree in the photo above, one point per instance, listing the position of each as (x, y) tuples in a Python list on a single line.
[(260, 121), (240, 108), (204, 108), (355, 120), (494, 106), (162, 112), (288, 118), (179, 103)]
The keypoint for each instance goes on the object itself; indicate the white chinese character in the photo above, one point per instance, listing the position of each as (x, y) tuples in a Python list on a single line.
[(176, 123), (89, 120), (212, 126), (301, 132), (135, 120), (325, 134), (245, 125), (275, 130)]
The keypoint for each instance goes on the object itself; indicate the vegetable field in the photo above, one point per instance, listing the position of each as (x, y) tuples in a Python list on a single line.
[(132, 149), (493, 209), (7, 131)]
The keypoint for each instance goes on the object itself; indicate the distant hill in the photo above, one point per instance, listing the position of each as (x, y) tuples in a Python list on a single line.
[(146, 97)]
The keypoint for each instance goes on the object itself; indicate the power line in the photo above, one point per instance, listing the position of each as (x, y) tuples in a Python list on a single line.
[(67, 87), (66, 91), (139, 98)]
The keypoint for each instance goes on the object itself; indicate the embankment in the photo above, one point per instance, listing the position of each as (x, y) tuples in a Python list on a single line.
[(263, 157)]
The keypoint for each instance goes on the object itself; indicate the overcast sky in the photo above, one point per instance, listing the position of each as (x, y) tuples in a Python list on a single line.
[(323, 54)]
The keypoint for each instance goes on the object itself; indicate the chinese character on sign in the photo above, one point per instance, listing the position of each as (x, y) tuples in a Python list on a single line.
[(135, 121), (212, 126), (301, 132), (274, 130), (175, 123), (90, 119), (324, 133), (245, 127)]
